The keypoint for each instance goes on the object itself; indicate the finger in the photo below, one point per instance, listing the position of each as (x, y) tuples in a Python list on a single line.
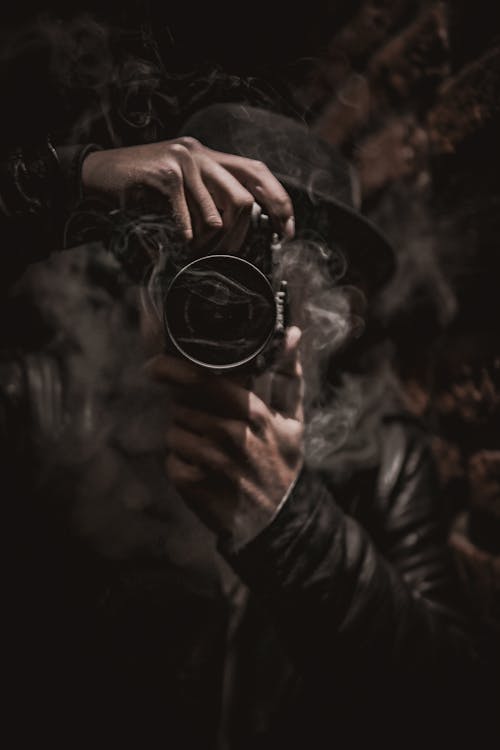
[(170, 182), (203, 390), (227, 400), (208, 392), (165, 368), (265, 188), (290, 436), (211, 502), (200, 451), (234, 202), (182, 473), (287, 388), (287, 395), (229, 433), (224, 470), (288, 359), (205, 217)]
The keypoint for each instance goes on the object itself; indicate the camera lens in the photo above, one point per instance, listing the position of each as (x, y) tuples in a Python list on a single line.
[(220, 311)]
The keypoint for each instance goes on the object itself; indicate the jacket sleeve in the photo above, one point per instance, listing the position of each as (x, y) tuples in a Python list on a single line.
[(353, 599), (39, 186)]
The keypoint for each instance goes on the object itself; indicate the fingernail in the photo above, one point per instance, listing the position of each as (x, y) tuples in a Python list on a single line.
[(289, 231)]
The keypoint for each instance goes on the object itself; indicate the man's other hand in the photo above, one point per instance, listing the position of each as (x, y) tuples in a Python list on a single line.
[(209, 193)]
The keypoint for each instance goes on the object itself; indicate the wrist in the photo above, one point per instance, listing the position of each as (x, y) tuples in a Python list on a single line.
[(71, 159), (286, 495), (252, 520)]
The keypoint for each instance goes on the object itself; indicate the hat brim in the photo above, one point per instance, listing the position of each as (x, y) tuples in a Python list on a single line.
[(245, 130), (369, 254)]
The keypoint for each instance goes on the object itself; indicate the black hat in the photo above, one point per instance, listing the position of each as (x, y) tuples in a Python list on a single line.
[(321, 183)]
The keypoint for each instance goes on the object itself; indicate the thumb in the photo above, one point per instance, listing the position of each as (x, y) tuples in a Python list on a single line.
[(288, 359), (287, 382)]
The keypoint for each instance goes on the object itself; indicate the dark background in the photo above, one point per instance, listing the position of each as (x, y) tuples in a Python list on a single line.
[(409, 90)]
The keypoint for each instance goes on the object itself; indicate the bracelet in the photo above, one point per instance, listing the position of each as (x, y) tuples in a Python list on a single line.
[(29, 179)]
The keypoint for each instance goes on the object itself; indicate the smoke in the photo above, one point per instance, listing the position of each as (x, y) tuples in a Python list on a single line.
[(97, 421), (318, 306), (420, 285), (342, 411), (86, 328)]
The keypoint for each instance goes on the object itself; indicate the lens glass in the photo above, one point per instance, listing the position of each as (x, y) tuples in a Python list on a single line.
[(220, 311)]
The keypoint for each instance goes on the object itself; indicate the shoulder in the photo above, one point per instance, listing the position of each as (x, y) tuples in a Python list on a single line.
[(407, 515), (405, 452)]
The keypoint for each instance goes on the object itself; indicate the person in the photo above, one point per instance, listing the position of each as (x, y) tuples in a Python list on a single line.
[(339, 615), (350, 567)]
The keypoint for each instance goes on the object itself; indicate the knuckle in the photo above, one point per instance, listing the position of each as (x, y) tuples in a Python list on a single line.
[(211, 455), (283, 206), (179, 150), (258, 416), (296, 432), (171, 175), (261, 168), (249, 435), (212, 221), (244, 203), (189, 143)]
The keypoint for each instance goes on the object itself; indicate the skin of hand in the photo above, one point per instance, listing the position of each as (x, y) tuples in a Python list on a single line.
[(233, 454), (210, 193)]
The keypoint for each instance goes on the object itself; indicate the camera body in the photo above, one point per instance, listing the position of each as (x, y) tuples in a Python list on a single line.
[(228, 312)]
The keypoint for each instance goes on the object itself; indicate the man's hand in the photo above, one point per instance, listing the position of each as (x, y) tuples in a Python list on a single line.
[(207, 191), (232, 456)]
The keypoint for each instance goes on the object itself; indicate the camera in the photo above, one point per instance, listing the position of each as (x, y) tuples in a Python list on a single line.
[(221, 311), (224, 311)]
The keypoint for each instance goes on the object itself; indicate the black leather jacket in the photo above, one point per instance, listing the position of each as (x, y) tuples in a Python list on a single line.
[(359, 583)]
